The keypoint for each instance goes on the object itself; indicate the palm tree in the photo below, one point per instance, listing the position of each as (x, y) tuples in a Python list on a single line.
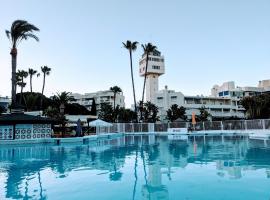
[(115, 90), (22, 75), (20, 30), (46, 72), (31, 73), (62, 99), (147, 48), (132, 46)]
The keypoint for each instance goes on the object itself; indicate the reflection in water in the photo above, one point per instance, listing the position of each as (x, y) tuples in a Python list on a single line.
[(146, 165)]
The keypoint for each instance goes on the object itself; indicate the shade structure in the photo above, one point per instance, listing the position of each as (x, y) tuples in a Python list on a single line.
[(99, 123)]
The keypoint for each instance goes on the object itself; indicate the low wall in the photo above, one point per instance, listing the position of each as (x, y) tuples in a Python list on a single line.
[(25, 131)]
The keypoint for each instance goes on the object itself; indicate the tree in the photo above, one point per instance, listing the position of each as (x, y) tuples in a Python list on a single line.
[(106, 112), (126, 115), (115, 90), (61, 100), (204, 114), (31, 101), (147, 48), (2, 109), (46, 72), (31, 73), (76, 109), (256, 107), (149, 112), (21, 74), (93, 108), (20, 30), (176, 112), (132, 46)]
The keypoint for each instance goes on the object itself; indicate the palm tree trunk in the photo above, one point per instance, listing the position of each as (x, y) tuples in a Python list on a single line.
[(41, 101), (31, 83), (21, 93), (145, 75), (13, 74), (133, 86), (43, 84)]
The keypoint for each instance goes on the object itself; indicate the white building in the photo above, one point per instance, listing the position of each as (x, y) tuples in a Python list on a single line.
[(218, 107), (228, 89), (155, 69), (106, 96)]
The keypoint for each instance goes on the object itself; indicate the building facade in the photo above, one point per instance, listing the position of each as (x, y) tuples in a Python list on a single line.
[(100, 97), (218, 107), (156, 68), (228, 89)]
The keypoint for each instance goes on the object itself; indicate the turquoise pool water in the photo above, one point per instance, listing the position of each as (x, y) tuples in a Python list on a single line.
[(148, 167)]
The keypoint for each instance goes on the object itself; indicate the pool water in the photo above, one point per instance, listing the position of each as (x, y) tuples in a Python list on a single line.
[(138, 167)]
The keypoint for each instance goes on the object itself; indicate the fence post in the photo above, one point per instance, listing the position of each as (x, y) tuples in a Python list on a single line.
[(263, 122), (245, 124), (221, 125), (203, 126)]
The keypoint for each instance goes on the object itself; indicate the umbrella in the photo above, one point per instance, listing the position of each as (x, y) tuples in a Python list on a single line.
[(193, 120), (99, 123)]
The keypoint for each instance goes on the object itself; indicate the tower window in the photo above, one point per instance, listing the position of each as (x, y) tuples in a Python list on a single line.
[(155, 67)]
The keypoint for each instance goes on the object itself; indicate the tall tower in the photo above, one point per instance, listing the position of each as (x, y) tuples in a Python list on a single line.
[(155, 69)]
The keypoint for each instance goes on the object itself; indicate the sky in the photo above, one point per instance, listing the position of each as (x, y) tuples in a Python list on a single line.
[(204, 42)]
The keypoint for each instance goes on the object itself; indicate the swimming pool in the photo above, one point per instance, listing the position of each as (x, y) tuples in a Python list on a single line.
[(138, 167)]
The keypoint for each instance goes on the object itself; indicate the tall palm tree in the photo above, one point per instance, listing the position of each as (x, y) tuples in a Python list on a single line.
[(132, 46), (20, 30), (46, 72), (31, 73), (115, 90), (147, 48), (22, 75)]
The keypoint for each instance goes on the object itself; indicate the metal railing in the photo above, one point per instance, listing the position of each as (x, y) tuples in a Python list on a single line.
[(244, 125)]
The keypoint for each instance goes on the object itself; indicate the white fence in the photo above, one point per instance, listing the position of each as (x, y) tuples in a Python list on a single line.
[(260, 124)]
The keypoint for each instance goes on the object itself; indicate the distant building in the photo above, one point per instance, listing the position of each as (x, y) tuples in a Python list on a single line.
[(228, 89), (106, 96), (218, 107)]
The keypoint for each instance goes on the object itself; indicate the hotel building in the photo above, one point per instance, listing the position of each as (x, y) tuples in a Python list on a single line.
[(218, 106), (106, 96)]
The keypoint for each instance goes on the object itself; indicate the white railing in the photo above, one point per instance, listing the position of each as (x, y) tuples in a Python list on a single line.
[(258, 124)]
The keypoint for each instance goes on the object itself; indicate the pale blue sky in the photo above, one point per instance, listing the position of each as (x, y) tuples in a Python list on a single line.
[(204, 42)]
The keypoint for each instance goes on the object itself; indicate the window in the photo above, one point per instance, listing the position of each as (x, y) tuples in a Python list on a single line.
[(155, 67), (160, 98), (173, 97)]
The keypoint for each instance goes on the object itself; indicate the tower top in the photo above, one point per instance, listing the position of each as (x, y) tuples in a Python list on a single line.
[(155, 64)]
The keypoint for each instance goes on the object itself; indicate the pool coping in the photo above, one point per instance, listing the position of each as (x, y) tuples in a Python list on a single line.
[(85, 139)]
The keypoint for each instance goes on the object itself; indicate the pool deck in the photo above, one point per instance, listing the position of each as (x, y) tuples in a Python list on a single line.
[(253, 134)]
